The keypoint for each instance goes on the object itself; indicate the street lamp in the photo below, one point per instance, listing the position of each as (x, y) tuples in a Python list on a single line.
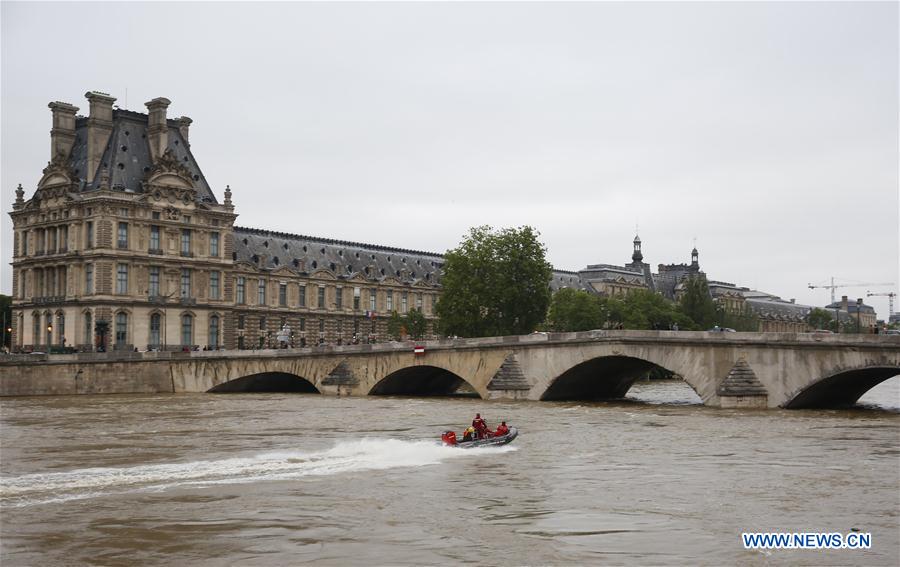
[(858, 314)]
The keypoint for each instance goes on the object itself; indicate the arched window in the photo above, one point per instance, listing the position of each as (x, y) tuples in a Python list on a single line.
[(36, 329), (88, 329), (214, 331), (121, 330), (155, 324), (61, 328), (187, 330), (48, 328)]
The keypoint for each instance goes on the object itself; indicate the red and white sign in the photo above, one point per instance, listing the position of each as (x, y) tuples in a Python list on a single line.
[(418, 350)]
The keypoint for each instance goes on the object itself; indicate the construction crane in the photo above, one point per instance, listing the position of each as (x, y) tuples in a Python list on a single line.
[(834, 286), (890, 295)]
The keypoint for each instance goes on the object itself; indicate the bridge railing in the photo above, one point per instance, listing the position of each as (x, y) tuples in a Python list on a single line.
[(534, 339)]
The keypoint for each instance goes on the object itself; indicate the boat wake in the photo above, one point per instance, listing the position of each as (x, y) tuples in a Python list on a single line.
[(345, 457)]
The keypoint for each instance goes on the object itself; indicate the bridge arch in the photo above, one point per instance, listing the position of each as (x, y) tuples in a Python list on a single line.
[(273, 382), (840, 388), (420, 380), (608, 376)]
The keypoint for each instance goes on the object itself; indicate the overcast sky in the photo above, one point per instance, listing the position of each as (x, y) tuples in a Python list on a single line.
[(767, 131)]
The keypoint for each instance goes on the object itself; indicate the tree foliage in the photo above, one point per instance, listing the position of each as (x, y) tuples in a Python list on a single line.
[(495, 283), (415, 324), (743, 320), (644, 309), (819, 318), (572, 310), (697, 303), (575, 310)]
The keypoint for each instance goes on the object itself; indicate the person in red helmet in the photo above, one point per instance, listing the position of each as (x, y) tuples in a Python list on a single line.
[(502, 429), (480, 426)]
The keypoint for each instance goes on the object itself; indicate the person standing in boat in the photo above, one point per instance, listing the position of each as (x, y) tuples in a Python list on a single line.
[(480, 426)]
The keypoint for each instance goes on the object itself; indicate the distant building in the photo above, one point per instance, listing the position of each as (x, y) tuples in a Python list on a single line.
[(855, 312)]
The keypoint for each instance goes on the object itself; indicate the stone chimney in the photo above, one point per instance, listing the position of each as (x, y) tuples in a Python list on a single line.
[(62, 135), (158, 129), (100, 125), (184, 126), (844, 306)]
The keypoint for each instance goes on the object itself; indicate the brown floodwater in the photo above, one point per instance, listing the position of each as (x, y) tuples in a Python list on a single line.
[(283, 479)]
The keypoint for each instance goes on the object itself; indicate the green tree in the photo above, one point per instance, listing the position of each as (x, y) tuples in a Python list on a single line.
[(743, 320), (697, 303), (395, 328), (819, 319), (495, 283), (644, 309), (6, 318), (575, 310), (415, 324)]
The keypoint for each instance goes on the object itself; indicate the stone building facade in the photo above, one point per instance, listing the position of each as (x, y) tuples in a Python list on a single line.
[(123, 229)]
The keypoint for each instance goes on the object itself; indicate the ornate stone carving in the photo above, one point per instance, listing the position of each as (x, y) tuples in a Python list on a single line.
[(169, 163)]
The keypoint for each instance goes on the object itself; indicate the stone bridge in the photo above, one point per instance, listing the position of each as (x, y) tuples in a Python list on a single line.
[(787, 370)]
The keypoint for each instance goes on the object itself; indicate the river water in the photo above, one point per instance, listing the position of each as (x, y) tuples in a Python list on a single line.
[(282, 479)]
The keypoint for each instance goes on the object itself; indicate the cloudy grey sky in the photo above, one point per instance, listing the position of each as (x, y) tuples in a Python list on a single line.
[(767, 131)]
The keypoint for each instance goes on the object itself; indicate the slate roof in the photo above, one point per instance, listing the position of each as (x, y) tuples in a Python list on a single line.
[(271, 250), (127, 155)]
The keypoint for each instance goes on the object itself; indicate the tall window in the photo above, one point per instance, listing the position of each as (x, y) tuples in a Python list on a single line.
[(153, 288), (214, 284), (185, 242), (321, 297), (24, 243), (339, 297), (302, 295), (187, 330), (403, 301), (419, 301), (121, 330), (282, 294), (185, 282), (214, 244), (88, 329), (389, 301), (89, 234), (61, 328), (262, 323), (261, 292), (88, 279), (372, 296), (36, 329), (154, 238), (214, 331), (356, 298), (64, 238), (122, 279), (155, 325), (239, 292), (122, 240)]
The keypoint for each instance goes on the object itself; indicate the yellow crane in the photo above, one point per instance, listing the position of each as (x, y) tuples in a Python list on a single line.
[(890, 295), (834, 286)]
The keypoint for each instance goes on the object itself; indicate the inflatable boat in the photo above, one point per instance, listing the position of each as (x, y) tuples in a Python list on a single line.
[(450, 440)]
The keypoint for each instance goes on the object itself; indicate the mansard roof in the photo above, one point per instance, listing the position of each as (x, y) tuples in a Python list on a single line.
[(270, 250), (127, 155)]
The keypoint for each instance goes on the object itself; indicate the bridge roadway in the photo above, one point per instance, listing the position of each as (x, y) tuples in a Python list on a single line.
[(788, 370)]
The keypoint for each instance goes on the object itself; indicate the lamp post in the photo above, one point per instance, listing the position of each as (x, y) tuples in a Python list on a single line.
[(858, 314), (49, 338)]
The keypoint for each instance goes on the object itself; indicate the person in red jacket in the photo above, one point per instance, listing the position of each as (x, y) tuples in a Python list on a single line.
[(502, 429), (480, 426)]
